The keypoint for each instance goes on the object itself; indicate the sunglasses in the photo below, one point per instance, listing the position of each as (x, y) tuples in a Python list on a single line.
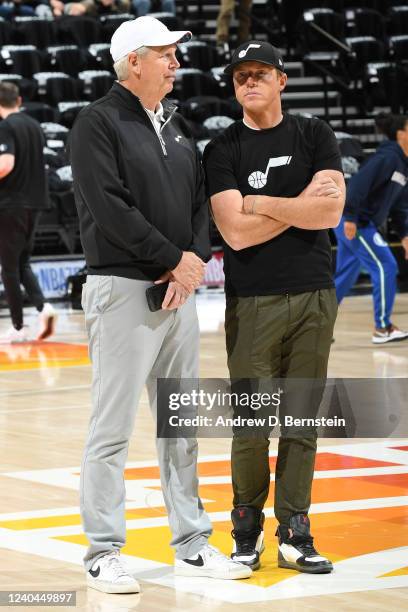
[(241, 76)]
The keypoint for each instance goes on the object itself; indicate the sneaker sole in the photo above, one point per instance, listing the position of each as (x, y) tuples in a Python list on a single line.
[(305, 570), (195, 572), (108, 587), (50, 328), (386, 340), (254, 566)]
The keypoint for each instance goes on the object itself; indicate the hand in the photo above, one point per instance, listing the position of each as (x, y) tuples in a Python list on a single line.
[(189, 272), (175, 296), (350, 230), (321, 187), (404, 243), (77, 9)]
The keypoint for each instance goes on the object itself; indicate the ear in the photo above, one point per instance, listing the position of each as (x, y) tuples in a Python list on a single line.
[(283, 79), (134, 63), (19, 101)]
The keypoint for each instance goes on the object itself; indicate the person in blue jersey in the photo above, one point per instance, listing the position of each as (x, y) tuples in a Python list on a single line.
[(377, 190)]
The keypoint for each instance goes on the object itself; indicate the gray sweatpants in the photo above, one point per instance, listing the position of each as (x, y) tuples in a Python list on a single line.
[(129, 347)]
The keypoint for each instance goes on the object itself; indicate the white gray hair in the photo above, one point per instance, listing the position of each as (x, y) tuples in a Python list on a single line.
[(121, 67)]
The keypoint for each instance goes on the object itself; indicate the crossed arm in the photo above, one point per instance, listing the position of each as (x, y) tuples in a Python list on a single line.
[(251, 220), (6, 164)]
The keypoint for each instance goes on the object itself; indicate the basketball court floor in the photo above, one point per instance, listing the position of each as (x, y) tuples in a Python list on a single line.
[(359, 514)]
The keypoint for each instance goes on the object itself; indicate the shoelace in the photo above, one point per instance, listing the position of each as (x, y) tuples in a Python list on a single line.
[(114, 564), (305, 545), (246, 540), (216, 554)]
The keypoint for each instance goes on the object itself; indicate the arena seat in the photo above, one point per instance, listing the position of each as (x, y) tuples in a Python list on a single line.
[(55, 134), (34, 31), (101, 57), (95, 83), (66, 58), (200, 108), (366, 49), (386, 84), (21, 59), (398, 16), (169, 20), (398, 47), (217, 124), (6, 32), (110, 23), (194, 82), (81, 31), (40, 111), (198, 54), (365, 22), (328, 20), (54, 87), (69, 110)]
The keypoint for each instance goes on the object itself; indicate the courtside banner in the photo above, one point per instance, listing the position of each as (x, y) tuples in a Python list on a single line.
[(248, 408), (52, 275)]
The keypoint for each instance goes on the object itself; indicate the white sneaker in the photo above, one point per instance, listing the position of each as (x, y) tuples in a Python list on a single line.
[(14, 336), (110, 576), (389, 334), (47, 319), (211, 563)]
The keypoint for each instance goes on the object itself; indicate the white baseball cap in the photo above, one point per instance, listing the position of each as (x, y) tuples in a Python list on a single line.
[(143, 32)]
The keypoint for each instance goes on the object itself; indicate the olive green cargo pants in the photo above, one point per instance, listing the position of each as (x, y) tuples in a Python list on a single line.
[(278, 336)]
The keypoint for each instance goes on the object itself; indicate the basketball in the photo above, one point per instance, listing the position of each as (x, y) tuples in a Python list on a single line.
[(257, 179)]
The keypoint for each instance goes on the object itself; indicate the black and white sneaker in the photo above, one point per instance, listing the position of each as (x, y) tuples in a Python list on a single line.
[(109, 575), (248, 535), (211, 563), (296, 550)]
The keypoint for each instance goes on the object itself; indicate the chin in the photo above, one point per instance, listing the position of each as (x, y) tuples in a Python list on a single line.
[(255, 105)]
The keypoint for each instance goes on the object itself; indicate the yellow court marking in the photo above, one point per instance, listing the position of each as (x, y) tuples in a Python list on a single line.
[(66, 520), (403, 571), (153, 543), (42, 355)]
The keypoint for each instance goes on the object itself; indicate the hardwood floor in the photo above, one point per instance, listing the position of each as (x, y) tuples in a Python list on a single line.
[(44, 411)]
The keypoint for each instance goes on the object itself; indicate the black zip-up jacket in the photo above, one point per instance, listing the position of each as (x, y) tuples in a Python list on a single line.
[(140, 199)]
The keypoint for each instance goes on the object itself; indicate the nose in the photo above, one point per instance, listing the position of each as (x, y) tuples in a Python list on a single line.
[(174, 62)]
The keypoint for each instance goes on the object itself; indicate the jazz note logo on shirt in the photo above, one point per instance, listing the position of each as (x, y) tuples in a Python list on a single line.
[(258, 179)]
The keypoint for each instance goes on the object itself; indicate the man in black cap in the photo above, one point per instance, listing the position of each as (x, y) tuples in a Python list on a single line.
[(276, 186)]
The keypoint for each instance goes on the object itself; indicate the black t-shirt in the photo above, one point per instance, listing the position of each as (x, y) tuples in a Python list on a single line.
[(280, 162), (25, 186)]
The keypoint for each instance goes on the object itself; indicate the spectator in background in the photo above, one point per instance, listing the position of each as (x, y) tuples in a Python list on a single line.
[(23, 193), (224, 21), (142, 7), (290, 12), (57, 7), (18, 8), (95, 8), (380, 185)]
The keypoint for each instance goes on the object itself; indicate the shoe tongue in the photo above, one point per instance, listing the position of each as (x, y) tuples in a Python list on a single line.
[(300, 525), (245, 517)]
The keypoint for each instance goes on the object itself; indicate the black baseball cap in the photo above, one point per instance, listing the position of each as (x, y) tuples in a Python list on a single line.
[(256, 51)]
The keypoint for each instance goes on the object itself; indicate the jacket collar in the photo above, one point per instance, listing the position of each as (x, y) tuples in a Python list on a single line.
[(133, 102)]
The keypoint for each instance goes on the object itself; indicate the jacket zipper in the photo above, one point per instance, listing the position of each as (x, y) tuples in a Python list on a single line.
[(158, 133), (163, 144), (161, 139)]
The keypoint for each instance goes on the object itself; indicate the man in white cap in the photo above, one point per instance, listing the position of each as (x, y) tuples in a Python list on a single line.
[(143, 217)]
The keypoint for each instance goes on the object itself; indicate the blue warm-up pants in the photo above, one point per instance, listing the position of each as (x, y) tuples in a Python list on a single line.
[(369, 250)]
